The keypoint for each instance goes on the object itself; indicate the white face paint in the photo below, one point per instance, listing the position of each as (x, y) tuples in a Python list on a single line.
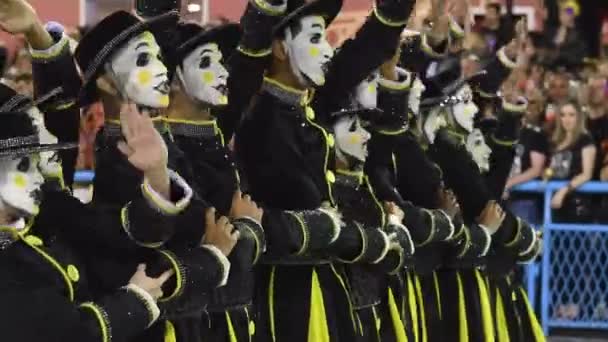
[(415, 95), (20, 182), (50, 164), (465, 109), (204, 77), (366, 92), (140, 74), (479, 150), (308, 51), (351, 138)]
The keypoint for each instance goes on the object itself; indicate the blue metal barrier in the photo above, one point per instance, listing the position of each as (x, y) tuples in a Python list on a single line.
[(574, 264), (84, 177)]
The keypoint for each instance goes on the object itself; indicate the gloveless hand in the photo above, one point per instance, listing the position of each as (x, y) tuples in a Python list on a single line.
[(17, 16)]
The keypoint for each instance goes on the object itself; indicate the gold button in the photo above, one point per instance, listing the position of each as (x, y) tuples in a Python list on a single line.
[(73, 273), (33, 240), (330, 140), (310, 113), (330, 176), (251, 328)]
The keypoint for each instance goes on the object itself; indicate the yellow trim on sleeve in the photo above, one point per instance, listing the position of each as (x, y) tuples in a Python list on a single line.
[(252, 53), (101, 319), (124, 221), (506, 143), (433, 228), (387, 21), (179, 277), (305, 237), (395, 132), (52, 52), (270, 9), (517, 235)]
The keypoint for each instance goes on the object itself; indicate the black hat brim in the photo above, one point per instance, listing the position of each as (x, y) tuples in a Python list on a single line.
[(37, 148), (225, 36), (153, 25), (450, 90), (328, 9)]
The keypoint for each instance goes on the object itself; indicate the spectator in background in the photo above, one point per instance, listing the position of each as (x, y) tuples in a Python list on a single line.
[(496, 30), (572, 160), (557, 86), (531, 154), (565, 44), (596, 110)]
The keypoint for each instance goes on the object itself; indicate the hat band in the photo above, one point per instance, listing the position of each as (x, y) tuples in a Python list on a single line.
[(18, 142)]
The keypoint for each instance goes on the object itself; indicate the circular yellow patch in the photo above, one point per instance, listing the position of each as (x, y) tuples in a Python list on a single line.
[(144, 77), (73, 273), (371, 88), (208, 77), (314, 51), (164, 100), (223, 100), (330, 140), (20, 181), (251, 328), (331, 178), (310, 113), (33, 240), (354, 139)]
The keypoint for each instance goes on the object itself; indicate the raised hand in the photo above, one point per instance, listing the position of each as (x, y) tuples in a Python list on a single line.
[(393, 209), (143, 145), (151, 285), (243, 206), (17, 16), (491, 217), (219, 233)]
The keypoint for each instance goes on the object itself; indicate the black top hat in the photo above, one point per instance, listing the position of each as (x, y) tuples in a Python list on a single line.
[(98, 45), (192, 35), (18, 136), (297, 9), (443, 79)]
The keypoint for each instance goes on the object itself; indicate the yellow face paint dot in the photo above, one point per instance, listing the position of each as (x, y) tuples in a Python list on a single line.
[(144, 77), (314, 51), (223, 100), (354, 139), (20, 181), (147, 36), (371, 89), (208, 77), (164, 100)]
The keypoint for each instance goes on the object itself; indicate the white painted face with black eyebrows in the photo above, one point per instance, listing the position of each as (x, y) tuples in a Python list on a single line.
[(137, 69), (366, 93), (308, 50), (464, 109), (351, 138), (20, 182), (479, 150), (203, 75)]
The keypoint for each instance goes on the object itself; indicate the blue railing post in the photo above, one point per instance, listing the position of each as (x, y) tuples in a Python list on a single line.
[(546, 260)]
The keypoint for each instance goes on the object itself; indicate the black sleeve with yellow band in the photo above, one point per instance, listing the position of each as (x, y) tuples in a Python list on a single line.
[(293, 233), (361, 245), (473, 243), (252, 241), (150, 220), (57, 82), (197, 272), (534, 252), (392, 99), (250, 60), (524, 238)]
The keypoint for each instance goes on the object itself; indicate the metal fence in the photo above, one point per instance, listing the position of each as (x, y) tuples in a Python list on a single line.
[(573, 268)]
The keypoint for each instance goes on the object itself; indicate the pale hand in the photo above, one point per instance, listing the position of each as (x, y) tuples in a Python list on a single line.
[(17, 16), (449, 203), (151, 285), (143, 145), (558, 199), (492, 217), (219, 233), (392, 209), (243, 206)]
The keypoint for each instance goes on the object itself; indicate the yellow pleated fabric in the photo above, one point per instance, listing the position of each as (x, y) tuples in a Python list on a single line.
[(501, 321), (539, 335), (396, 318), (231, 331), (486, 308), (438, 294), (271, 305), (413, 306), (170, 332), (317, 323), (462, 312), (424, 336)]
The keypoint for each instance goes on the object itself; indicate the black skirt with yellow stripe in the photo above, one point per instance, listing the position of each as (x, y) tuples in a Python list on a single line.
[(303, 303)]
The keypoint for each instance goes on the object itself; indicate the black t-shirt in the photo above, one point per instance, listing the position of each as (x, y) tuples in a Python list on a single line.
[(568, 162), (598, 128), (532, 138)]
